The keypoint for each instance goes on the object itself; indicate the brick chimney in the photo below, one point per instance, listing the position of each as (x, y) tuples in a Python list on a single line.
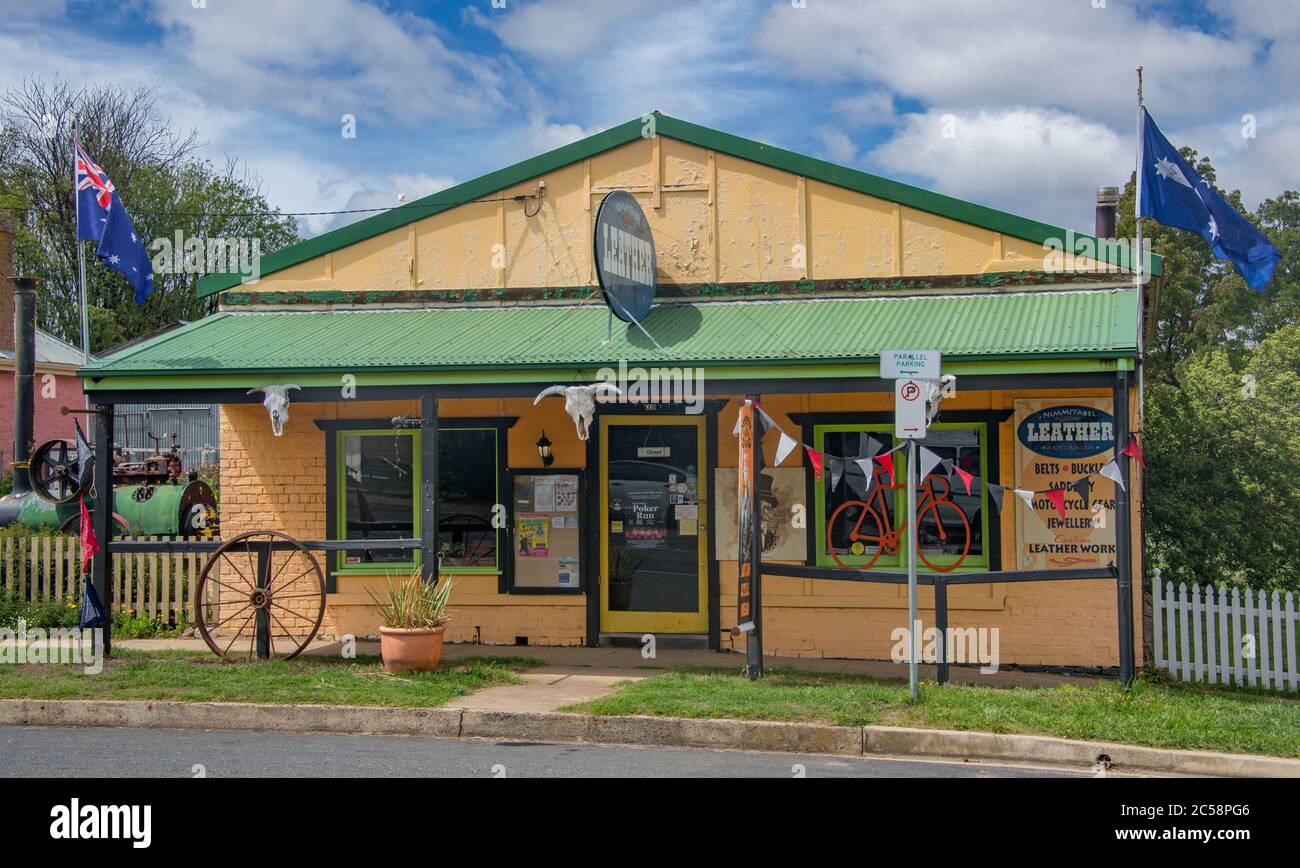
[(6, 282)]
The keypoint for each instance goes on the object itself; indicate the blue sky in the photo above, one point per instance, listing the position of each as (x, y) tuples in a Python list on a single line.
[(1038, 95)]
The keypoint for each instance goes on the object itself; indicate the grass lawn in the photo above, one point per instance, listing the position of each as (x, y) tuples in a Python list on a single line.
[(200, 677), (1156, 712)]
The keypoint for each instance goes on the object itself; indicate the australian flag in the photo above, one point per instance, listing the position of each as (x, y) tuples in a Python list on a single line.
[(1175, 195), (102, 219)]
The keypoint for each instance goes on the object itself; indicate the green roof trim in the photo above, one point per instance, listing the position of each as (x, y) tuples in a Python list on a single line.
[(767, 335), (704, 137)]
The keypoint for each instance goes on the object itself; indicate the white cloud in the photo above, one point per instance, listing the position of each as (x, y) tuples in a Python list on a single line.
[(871, 108), (997, 53), (1039, 163), (325, 58), (563, 31), (838, 147)]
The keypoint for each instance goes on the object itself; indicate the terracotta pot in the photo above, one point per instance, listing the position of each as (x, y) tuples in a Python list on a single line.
[(407, 649)]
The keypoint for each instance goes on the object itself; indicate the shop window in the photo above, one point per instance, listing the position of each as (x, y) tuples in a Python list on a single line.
[(951, 521), (379, 482)]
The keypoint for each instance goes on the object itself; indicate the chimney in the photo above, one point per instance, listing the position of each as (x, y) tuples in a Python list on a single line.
[(6, 281), (24, 304), (1107, 205)]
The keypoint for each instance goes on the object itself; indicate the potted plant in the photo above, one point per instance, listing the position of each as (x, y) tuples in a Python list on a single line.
[(414, 620), (622, 572)]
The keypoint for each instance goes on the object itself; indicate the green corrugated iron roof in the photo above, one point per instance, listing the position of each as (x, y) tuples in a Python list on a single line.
[(1044, 324), (704, 137)]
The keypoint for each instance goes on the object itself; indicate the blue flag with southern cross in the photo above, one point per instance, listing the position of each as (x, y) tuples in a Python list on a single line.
[(1173, 193), (102, 218)]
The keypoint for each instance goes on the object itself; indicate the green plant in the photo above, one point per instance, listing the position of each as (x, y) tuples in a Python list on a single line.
[(44, 614), (414, 603), (128, 625), (623, 566)]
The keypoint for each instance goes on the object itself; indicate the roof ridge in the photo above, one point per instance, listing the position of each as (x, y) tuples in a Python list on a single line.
[(963, 211)]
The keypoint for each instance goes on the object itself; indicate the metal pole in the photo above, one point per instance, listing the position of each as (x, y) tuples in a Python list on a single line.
[(1123, 536), (913, 539), (754, 641), (101, 517), (1140, 254), (81, 254), (429, 488), (941, 624)]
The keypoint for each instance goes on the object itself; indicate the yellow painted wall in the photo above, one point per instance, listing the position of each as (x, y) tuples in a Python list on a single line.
[(715, 218), (279, 483)]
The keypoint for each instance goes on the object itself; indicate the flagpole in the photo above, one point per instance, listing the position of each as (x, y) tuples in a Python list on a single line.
[(1141, 257), (81, 254)]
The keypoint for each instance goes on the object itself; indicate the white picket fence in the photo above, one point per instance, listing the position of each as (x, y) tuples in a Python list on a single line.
[(1222, 635)]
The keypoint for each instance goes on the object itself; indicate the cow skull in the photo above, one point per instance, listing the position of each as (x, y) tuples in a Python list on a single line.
[(579, 402), (276, 403)]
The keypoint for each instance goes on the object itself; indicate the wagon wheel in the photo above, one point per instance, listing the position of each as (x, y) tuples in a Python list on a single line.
[(261, 596), (55, 472)]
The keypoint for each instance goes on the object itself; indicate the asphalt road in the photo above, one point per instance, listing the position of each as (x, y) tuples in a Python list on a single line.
[(31, 751)]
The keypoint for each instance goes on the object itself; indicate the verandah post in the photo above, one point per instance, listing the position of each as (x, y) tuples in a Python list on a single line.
[(941, 624), (429, 484), (101, 518), (1123, 535)]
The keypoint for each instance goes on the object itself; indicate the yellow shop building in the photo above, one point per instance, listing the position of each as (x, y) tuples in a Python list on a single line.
[(419, 339)]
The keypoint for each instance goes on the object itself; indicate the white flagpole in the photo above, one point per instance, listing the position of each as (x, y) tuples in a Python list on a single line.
[(1141, 257), (81, 254)]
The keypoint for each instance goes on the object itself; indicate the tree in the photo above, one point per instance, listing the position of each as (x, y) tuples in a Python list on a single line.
[(1223, 458), (163, 185)]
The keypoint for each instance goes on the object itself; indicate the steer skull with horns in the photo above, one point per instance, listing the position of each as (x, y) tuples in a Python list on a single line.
[(276, 403), (579, 402)]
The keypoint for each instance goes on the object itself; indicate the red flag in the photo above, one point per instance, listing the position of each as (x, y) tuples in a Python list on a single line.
[(887, 462), (816, 458), (965, 477), (1057, 497), (89, 545), (1134, 450)]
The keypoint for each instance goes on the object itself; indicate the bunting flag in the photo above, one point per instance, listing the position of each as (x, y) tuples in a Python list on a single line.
[(837, 471), (886, 461), (1111, 471), (1083, 487), (1133, 450), (735, 432), (966, 479), (89, 545), (996, 491), (785, 447), (861, 485), (928, 460), (815, 458), (765, 421), (868, 473), (948, 465), (873, 446), (1026, 496), (1057, 497)]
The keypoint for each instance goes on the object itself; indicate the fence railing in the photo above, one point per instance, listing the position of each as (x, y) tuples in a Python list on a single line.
[(1226, 635), (45, 568)]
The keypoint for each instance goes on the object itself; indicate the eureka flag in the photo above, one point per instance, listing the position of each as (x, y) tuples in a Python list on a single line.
[(1175, 195)]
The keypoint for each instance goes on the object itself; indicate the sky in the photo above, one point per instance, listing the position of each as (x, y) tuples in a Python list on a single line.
[(1024, 105)]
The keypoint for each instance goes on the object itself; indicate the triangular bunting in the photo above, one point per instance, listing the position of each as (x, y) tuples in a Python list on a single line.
[(996, 492), (1026, 496), (1057, 497), (89, 545), (735, 432), (764, 420), (873, 446), (1133, 450), (928, 460), (1083, 487), (785, 447), (815, 458), (966, 479), (868, 474), (837, 471), (1111, 471), (887, 461)]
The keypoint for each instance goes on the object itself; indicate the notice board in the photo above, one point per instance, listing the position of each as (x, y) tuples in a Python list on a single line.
[(548, 531)]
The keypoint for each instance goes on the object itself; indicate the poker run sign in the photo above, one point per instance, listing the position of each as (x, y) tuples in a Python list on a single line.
[(1058, 441)]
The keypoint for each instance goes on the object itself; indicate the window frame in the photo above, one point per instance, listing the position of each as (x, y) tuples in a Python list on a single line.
[(336, 501), (897, 563)]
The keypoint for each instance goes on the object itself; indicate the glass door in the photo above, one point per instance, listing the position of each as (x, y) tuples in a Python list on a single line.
[(653, 506)]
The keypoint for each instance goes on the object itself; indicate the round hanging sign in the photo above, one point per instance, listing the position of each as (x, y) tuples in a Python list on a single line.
[(625, 256)]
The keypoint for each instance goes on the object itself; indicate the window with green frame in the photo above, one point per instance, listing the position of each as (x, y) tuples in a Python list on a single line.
[(945, 528), (378, 480)]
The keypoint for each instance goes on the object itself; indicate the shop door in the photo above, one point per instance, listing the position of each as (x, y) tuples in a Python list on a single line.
[(653, 551)]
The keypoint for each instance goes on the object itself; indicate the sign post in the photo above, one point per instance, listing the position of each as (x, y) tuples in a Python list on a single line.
[(916, 383), (748, 527)]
